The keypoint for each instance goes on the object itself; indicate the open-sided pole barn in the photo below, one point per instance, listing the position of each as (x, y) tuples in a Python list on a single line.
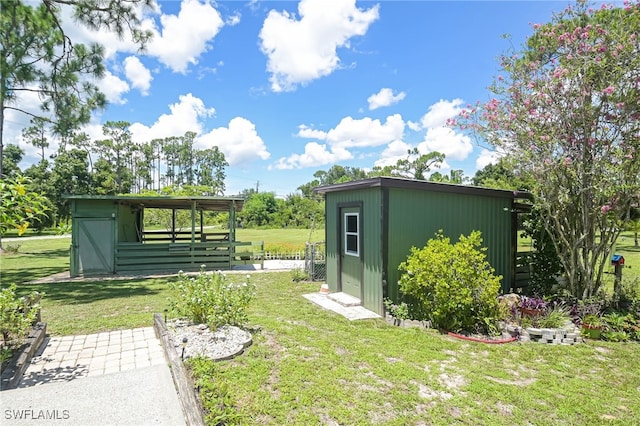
[(108, 235), (372, 224)]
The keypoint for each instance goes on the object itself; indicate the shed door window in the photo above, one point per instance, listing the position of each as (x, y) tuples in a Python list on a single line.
[(351, 235)]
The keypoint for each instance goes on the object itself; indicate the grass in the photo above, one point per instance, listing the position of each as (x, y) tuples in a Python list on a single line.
[(80, 307), (311, 366), (91, 307), (36, 258), (287, 239)]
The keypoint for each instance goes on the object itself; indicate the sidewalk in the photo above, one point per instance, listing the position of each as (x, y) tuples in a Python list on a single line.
[(118, 378)]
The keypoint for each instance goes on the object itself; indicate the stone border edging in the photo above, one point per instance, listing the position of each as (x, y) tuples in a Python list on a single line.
[(186, 391), (479, 340), (12, 375)]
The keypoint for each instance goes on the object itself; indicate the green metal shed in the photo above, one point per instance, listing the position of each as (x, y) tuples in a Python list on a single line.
[(108, 235), (372, 224)]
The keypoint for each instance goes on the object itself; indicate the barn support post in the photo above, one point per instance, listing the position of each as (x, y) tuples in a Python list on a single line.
[(173, 225), (201, 224), (232, 232), (193, 222), (232, 222)]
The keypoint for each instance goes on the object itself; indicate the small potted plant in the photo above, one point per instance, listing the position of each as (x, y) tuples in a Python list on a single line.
[(532, 306), (592, 325)]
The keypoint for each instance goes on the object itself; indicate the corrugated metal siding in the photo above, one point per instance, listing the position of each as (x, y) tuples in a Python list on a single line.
[(415, 217), (371, 242)]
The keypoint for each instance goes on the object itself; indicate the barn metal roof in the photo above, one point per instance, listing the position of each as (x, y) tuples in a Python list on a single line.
[(393, 182), (169, 202)]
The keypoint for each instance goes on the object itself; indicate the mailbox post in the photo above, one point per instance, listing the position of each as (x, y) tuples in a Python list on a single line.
[(617, 260)]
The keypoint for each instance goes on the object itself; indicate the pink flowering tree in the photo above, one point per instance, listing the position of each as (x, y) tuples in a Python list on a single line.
[(566, 111)]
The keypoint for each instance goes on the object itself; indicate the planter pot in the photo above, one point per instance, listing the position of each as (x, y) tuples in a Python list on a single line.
[(527, 312), (591, 331)]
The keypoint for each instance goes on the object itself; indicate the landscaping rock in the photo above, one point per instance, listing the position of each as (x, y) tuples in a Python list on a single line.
[(224, 343)]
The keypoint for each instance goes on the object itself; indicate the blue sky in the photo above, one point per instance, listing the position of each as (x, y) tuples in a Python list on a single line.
[(288, 88)]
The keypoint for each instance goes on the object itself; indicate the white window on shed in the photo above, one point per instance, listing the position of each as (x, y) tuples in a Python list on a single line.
[(351, 234)]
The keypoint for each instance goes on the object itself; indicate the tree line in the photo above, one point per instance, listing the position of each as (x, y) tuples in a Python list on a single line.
[(115, 165), (173, 166)]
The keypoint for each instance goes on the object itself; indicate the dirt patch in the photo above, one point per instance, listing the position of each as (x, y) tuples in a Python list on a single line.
[(452, 382), (384, 416), (326, 420), (272, 383), (504, 409), (455, 412), (303, 324), (426, 392), (378, 380), (340, 351), (519, 382), (272, 343)]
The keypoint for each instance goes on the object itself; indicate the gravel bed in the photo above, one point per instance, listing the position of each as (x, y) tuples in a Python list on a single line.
[(224, 343)]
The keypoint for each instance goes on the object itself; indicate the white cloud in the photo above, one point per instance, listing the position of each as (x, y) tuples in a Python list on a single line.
[(138, 74), (233, 19), (439, 112), (456, 146), (177, 42), (366, 132), (113, 88), (416, 127), (383, 98), (315, 155), (309, 133), (349, 133), (305, 49), (185, 37), (487, 157), (185, 116), (239, 142), (438, 137), (395, 151)]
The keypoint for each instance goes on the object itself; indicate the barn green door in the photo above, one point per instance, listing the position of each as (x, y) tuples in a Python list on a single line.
[(95, 246), (351, 251)]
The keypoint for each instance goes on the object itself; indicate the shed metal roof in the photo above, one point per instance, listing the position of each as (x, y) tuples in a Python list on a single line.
[(421, 185), (169, 202)]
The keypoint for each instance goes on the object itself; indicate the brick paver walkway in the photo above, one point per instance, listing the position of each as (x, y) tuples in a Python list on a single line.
[(65, 358)]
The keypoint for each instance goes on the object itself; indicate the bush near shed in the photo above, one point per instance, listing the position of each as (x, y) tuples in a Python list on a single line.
[(453, 285)]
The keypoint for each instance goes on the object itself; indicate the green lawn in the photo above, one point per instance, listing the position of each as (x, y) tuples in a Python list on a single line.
[(281, 239), (36, 258), (311, 366)]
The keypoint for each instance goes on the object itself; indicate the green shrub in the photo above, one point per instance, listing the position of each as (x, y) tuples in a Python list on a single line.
[(453, 284), (209, 298), (17, 315)]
